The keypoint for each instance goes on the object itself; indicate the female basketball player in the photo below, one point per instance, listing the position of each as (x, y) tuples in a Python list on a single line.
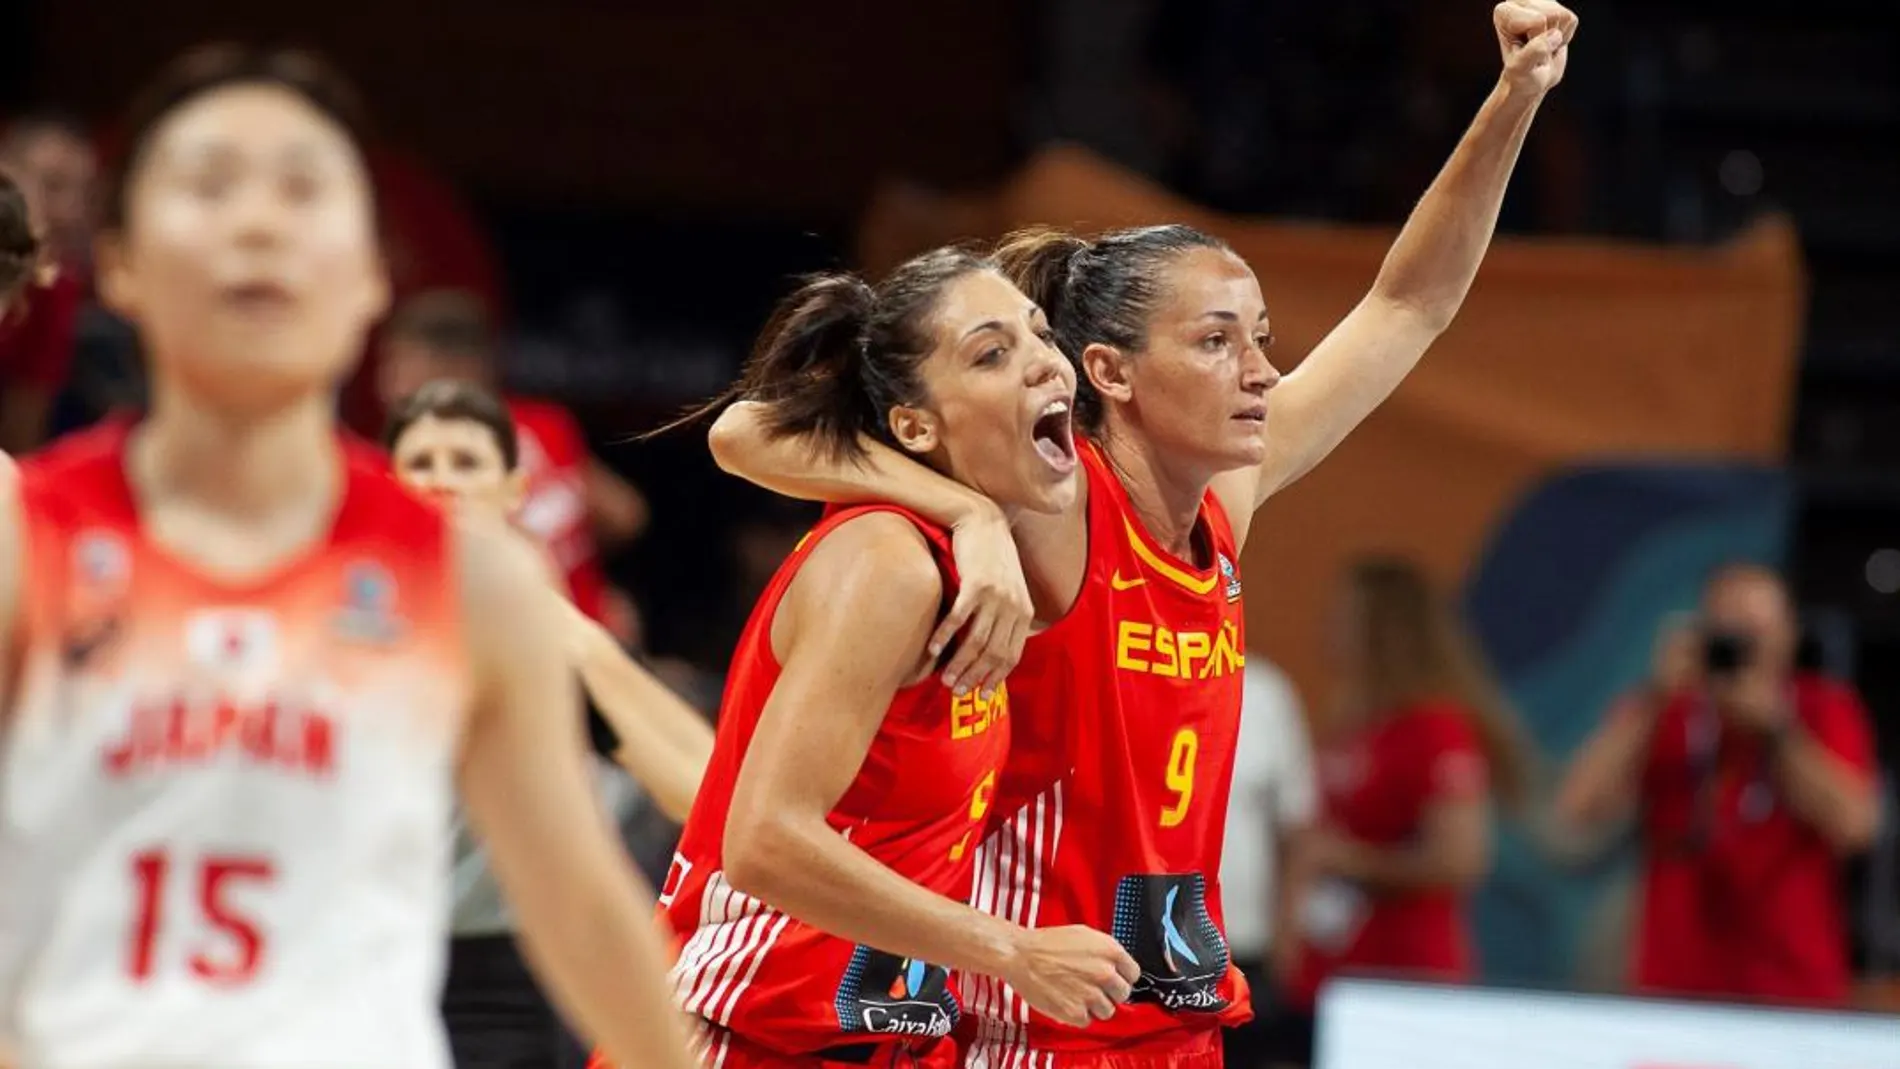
[(1113, 804), (819, 881), (245, 674), (456, 440)]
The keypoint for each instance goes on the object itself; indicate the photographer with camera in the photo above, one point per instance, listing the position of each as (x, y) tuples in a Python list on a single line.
[(1750, 779)]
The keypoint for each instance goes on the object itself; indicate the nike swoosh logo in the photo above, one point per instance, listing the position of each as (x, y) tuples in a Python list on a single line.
[(1116, 582)]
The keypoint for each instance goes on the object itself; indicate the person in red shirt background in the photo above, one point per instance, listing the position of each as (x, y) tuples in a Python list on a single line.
[(574, 503), (1407, 772), (1752, 780)]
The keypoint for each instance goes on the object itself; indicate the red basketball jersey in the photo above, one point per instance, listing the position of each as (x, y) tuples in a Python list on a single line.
[(1112, 805), (916, 806), (554, 458)]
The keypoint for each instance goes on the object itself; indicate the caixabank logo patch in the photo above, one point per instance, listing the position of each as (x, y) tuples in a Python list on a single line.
[(1163, 923), (887, 995)]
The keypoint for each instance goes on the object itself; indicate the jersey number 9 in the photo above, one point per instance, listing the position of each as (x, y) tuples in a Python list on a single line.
[(1187, 746), (216, 879), (979, 806)]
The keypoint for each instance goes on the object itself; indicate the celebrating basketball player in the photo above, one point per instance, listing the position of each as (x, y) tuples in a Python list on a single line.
[(1112, 807), (245, 673), (821, 878)]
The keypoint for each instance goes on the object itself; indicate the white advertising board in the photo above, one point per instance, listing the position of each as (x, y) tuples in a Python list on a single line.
[(1372, 1025)]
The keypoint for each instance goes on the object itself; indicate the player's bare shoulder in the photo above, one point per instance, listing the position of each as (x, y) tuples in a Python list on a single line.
[(877, 551), (870, 578)]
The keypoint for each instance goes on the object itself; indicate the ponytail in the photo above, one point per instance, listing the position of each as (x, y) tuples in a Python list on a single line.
[(837, 355), (1038, 260), (808, 368)]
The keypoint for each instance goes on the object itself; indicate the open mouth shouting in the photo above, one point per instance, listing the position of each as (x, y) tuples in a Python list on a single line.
[(1054, 436)]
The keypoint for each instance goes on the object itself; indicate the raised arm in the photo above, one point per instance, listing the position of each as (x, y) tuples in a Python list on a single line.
[(993, 612), (849, 637), (664, 742), (585, 914), (1426, 275)]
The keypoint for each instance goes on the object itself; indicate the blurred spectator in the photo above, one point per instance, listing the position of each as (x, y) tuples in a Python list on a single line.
[(1749, 778), (575, 504), (84, 355), (1407, 773), (1261, 875), (51, 155), (431, 243), (51, 162), (19, 247)]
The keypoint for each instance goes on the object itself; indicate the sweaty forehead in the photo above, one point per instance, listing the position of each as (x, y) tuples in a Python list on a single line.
[(1205, 280), (248, 120)]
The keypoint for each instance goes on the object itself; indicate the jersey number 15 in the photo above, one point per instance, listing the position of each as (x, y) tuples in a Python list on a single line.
[(216, 877)]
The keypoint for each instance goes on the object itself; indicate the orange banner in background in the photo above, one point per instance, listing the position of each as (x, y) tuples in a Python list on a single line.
[(1565, 351)]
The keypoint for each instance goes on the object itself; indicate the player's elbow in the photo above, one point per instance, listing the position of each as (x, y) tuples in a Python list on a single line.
[(734, 437), (758, 851), (1422, 314)]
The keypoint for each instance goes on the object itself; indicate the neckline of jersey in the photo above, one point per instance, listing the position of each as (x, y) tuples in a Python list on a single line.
[(1143, 542), (293, 564)]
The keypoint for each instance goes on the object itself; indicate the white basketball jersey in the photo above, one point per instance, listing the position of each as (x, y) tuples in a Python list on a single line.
[(225, 810)]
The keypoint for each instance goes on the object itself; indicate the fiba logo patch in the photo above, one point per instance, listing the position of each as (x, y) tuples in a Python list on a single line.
[(369, 605), (1230, 575), (101, 578), (884, 994), (1163, 923), (101, 563)]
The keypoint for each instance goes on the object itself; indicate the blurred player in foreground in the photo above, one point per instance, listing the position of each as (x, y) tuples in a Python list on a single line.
[(247, 674)]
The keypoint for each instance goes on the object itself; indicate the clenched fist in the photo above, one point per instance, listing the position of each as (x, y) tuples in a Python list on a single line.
[(1534, 36)]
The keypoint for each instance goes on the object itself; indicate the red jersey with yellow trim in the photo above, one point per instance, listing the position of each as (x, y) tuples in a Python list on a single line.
[(1113, 804), (225, 807), (916, 805)]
